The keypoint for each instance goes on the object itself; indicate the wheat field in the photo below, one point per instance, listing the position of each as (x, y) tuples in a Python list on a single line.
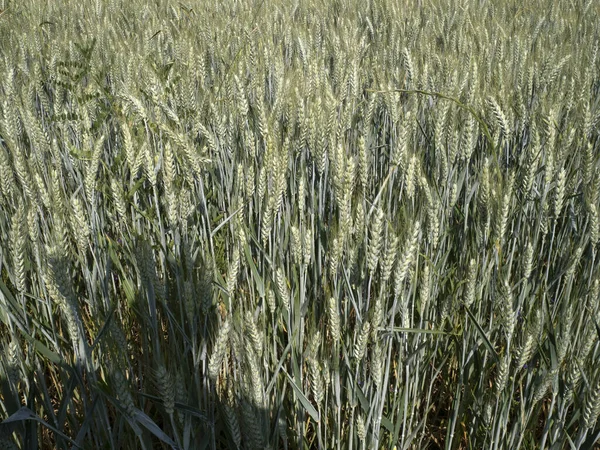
[(278, 224)]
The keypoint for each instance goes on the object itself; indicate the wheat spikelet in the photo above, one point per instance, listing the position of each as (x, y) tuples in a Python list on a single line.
[(588, 164), (253, 334), (338, 166), (358, 224), (484, 191), (7, 179), (360, 344), (374, 245), (242, 101), (233, 425), (42, 190), (454, 146), (560, 192), (250, 185), (128, 146), (411, 174), (503, 218), (453, 197), (467, 141), (282, 288), (593, 298), (92, 170), (400, 152), (440, 130), (219, 350), (389, 257), (59, 285), (549, 168), (502, 375), (345, 221), (280, 178), (377, 364), (469, 296), (23, 173), (139, 162), (334, 256), (507, 315), (255, 379), (528, 261), (424, 294), (589, 341), (316, 381), (574, 263), (149, 164), (531, 162), (307, 246), (210, 139), (270, 299), (361, 432), (59, 207), (377, 317), (251, 426), (591, 409), (13, 366), (526, 350), (189, 304), (543, 387), (301, 197), (10, 122), (169, 168), (500, 118), (18, 234), (121, 346), (33, 227), (234, 267), (564, 338), (363, 163), (432, 216), (166, 388), (573, 378), (267, 221), (123, 394), (334, 320), (180, 395), (594, 224), (406, 259), (80, 226)]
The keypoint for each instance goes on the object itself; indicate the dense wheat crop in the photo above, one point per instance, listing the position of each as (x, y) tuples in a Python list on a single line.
[(319, 224)]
